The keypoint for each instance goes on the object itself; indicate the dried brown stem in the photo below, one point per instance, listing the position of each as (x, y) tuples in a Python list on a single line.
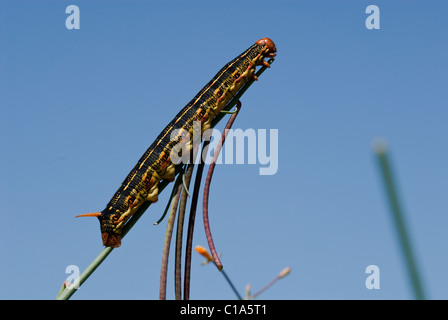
[(166, 245), (180, 227), (207, 188), (191, 220)]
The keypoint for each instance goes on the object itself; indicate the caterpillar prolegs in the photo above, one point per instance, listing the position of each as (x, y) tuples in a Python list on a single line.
[(155, 165)]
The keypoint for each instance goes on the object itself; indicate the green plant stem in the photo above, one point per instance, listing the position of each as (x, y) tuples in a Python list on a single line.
[(68, 292), (231, 284), (399, 221)]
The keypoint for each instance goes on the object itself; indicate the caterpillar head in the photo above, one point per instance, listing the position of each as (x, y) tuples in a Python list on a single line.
[(269, 44), (109, 234)]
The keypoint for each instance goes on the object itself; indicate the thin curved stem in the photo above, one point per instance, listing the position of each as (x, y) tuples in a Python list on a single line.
[(168, 205), (167, 243), (207, 187), (180, 226), (191, 220)]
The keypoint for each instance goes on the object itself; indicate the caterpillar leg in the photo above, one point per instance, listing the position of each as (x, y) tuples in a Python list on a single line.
[(153, 195)]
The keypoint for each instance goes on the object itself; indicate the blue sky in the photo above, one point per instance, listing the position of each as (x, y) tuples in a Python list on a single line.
[(79, 107)]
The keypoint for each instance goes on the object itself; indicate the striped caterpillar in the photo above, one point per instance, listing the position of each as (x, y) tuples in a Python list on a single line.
[(155, 165)]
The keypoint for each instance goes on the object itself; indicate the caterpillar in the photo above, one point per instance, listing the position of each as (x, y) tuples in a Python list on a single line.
[(141, 184)]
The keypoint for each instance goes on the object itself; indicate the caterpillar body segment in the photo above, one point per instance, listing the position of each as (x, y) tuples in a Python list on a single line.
[(141, 184)]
